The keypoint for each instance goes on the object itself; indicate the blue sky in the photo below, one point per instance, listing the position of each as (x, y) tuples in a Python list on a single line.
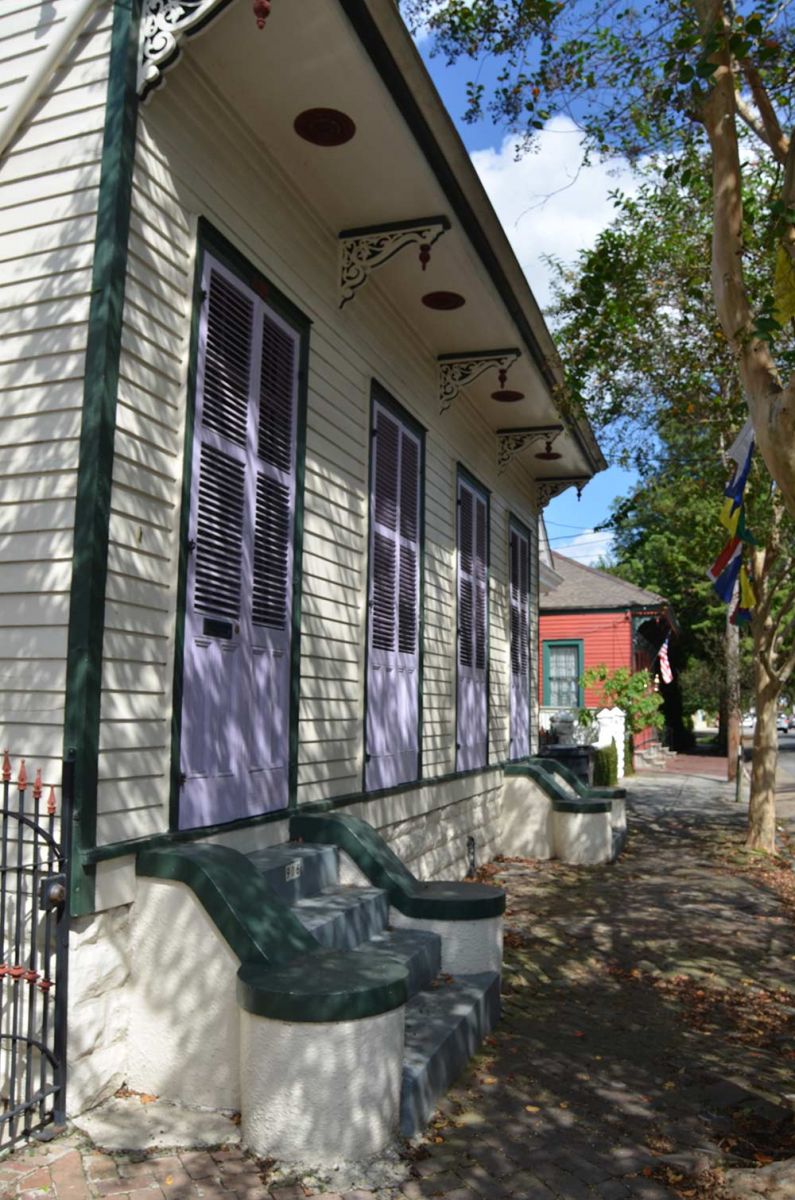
[(548, 205)]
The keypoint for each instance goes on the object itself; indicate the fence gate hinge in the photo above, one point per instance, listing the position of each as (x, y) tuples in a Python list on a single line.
[(52, 891)]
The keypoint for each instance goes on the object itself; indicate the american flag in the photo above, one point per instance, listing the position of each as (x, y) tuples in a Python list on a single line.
[(665, 665)]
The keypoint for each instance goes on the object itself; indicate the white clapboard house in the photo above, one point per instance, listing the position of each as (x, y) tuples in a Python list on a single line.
[(278, 420)]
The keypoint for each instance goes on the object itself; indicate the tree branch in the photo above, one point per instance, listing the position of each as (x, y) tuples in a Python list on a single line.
[(785, 605), (786, 636), (770, 130), (788, 197), (752, 120)]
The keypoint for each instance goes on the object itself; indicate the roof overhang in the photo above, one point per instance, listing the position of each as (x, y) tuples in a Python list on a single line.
[(406, 161), (548, 579)]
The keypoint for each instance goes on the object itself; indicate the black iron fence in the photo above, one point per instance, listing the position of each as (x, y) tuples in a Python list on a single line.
[(34, 838)]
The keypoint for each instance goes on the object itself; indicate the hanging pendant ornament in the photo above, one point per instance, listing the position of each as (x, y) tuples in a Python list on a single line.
[(365, 250), (262, 10), (505, 395)]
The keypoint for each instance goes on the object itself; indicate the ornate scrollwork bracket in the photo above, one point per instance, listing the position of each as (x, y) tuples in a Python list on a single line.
[(364, 250), (547, 489), (511, 442), (457, 371), (164, 23)]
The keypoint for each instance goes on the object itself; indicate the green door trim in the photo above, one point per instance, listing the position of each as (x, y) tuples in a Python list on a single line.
[(97, 433)]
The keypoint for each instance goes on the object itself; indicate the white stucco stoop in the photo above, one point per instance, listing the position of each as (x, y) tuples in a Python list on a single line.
[(583, 839), (184, 1021), (531, 828), (99, 1007), (527, 827), (325, 1091), (468, 947)]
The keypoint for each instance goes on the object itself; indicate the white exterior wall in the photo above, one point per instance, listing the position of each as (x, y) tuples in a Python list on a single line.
[(49, 178), (99, 1006), (187, 143)]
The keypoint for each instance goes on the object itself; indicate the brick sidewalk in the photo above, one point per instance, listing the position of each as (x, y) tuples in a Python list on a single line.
[(630, 1055), (70, 1169)]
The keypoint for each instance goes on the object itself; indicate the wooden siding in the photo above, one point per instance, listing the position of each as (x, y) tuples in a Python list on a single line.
[(49, 180), (194, 159), (606, 638)]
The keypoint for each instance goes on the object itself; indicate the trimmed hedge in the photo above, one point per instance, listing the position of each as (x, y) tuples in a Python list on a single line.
[(605, 766)]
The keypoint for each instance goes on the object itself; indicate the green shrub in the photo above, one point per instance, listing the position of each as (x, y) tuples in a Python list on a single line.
[(605, 766), (629, 748)]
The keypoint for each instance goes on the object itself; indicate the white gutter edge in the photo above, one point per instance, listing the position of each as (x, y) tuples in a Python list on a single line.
[(548, 579), (45, 66)]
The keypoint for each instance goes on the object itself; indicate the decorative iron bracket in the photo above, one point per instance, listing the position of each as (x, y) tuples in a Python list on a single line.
[(457, 371), (364, 250), (511, 442), (164, 23), (547, 489)]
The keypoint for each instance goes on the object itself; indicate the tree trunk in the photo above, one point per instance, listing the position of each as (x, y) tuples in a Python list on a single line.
[(762, 802), (771, 403)]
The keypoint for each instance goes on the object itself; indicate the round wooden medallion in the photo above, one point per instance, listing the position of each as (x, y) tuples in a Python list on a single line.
[(505, 396), (443, 301), (324, 126)]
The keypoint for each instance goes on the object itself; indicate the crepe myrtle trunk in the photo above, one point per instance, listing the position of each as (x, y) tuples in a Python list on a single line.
[(762, 802), (770, 399)]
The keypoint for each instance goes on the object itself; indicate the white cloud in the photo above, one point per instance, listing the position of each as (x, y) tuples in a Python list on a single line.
[(587, 547), (546, 201)]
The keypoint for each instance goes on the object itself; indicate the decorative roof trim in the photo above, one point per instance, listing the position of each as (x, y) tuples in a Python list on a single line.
[(164, 23), (457, 371), (547, 489), (511, 442), (364, 250)]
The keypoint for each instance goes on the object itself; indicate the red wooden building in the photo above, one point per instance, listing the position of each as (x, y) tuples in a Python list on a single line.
[(590, 618)]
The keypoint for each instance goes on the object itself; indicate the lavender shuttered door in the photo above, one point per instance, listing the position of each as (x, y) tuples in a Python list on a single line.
[(472, 690), (236, 677), (392, 727), (520, 644)]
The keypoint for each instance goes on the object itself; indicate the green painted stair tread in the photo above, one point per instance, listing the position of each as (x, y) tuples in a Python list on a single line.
[(445, 1024), (258, 926), (295, 872), (422, 901), (552, 765), (341, 918), (562, 801), (335, 985)]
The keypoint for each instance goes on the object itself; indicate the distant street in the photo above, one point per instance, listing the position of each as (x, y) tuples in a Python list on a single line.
[(786, 759), (785, 778)]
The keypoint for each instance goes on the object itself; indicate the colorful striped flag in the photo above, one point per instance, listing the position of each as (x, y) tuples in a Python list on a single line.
[(665, 663), (731, 552), (746, 601)]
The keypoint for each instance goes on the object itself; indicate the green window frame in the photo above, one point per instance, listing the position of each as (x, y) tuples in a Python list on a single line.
[(551, 685)]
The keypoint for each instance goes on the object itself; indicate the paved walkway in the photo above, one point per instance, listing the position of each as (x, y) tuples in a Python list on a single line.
[(646, 1043)]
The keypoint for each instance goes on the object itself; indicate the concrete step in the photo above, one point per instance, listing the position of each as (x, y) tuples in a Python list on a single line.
[(444, 1027), (341, 918), (294, 871), (419, 951)]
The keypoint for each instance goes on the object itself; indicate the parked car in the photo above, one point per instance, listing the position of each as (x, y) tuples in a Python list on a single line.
[(749, 722), (782, 723), (791, 721)]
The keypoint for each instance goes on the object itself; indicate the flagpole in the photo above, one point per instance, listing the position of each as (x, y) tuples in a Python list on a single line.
[(733, 730)]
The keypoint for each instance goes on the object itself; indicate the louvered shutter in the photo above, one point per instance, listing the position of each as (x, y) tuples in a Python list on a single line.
[(273, 506), (472, 690), (234, 735), (392, 725), (520, 634)]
